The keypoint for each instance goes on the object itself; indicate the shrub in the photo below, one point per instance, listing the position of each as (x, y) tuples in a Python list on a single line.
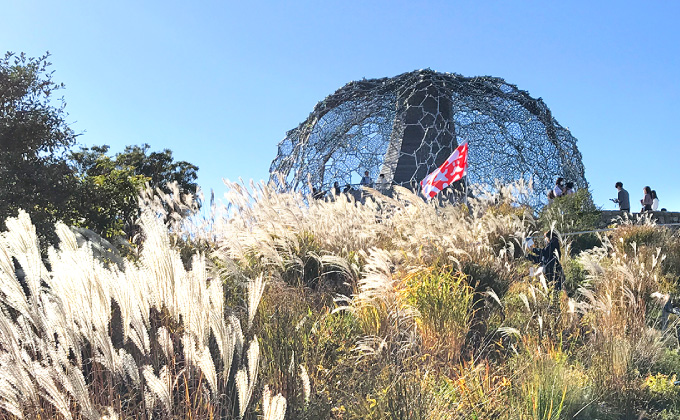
[(548, 387), (662, 393), (444, 301), (573, 213), (575, 275)]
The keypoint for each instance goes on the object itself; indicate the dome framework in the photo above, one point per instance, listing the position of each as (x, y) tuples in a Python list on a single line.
[(406, 126)]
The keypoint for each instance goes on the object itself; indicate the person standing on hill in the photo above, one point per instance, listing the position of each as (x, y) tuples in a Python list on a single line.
[(655, 201), (549, 258), (623, 199), (382, 184), (647, 200), (559, 187), (366, 180)]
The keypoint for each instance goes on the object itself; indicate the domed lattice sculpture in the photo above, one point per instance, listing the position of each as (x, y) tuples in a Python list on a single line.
[(406, 126)]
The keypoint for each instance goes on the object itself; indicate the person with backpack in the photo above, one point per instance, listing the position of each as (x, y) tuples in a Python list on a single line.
[(549, 258)]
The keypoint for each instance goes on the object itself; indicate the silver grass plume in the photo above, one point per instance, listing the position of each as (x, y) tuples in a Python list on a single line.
[(79, 393), (242, 387), (306, 387), (255, 291), (205, 363), (49, 389), (160, 387), (273, 408), (246, 376), (165, 341), (226, 336), (22, 242), (110, 414)]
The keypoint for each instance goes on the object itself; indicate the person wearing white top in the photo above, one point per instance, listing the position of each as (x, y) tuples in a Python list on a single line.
[(559, 187), (655, 201)]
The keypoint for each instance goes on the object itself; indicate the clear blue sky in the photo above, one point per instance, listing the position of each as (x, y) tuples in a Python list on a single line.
[(220, 82)]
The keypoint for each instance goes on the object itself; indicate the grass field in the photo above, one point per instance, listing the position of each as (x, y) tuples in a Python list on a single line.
[(280, 306)]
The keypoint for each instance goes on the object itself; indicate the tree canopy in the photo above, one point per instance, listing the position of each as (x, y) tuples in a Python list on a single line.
[(40, 173), (34, 136), (108, 186)]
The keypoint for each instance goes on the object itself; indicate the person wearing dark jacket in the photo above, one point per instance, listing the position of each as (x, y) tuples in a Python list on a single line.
[(623, 199), (647, 201), (549, 258)]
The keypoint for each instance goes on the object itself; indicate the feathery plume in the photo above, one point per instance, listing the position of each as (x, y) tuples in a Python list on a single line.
[(273, 408), (255, 291)]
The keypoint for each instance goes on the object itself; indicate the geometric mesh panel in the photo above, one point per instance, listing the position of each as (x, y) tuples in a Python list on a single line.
[(406, 126)]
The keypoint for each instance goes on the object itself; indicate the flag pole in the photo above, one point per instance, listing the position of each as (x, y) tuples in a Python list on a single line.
[(466, 186), (466, 180)]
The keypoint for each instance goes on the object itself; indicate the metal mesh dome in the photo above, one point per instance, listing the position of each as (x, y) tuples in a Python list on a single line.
[(406, 126)]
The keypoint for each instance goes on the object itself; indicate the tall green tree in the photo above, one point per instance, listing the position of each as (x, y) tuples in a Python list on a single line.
[(108, 187), (159, 167), (40, 174), (105, 197), (34, 137)]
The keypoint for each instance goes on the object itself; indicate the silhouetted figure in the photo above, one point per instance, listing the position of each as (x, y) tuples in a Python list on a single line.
[(647, 200), (316, 193), (623, 199), (549, 258), (551, 196), (336, 188), (671, 307), (569, 188)]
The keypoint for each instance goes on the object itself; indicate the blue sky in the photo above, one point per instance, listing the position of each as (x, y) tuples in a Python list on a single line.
[(220, 82)]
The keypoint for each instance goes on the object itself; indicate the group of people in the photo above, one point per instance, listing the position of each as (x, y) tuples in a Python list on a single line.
[(649, 201), (381, 185), (561, 188)]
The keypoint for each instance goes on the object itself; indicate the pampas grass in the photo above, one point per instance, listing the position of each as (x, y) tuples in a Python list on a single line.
[(58, 356), (277, 304)]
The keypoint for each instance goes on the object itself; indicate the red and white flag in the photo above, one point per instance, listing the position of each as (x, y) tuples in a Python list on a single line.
[(451, 171)]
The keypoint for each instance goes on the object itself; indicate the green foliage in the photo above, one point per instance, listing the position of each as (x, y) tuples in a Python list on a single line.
[(295, 331), (444, 299), (159, 168), (572, 213), (549, 388), (87, 188), (574, 275), (642, 235), (33, 138), (396, 395), (106, 201), (661, 392), (657, 246), (668, 363), (105, 197)]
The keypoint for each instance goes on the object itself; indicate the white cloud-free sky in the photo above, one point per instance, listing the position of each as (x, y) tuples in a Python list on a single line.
[(220, 82)]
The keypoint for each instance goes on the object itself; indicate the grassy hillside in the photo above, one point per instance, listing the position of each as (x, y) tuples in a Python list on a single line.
[(280, 306)]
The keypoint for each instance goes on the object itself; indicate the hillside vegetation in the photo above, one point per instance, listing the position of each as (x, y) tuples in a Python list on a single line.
[(280, 306)]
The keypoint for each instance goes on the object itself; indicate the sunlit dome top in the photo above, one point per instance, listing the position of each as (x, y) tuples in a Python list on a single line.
[(406, 126)]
